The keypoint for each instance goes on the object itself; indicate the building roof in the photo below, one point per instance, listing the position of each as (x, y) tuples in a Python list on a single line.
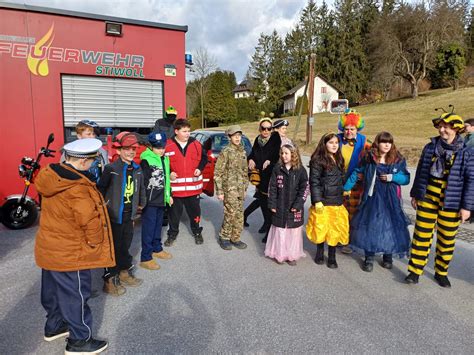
[(302, 83), (243, 86), (47, 10)]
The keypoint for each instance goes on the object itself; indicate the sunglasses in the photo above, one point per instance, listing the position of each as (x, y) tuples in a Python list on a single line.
[(265, 128)]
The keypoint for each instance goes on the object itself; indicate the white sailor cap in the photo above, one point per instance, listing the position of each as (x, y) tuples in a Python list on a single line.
[(83, 148)]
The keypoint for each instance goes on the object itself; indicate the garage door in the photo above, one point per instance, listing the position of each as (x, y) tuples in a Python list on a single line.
[(111, 102)]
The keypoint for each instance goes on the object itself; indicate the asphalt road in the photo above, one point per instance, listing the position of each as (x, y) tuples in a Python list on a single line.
[(207, 300)]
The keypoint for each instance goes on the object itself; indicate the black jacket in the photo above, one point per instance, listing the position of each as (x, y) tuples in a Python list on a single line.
[(259, 154), (326, 186), (287, 190)]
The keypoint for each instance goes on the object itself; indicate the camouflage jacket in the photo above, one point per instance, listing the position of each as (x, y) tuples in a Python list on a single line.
[(231, 172)]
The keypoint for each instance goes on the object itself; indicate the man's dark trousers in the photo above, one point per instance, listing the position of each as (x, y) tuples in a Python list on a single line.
[(64, 296)]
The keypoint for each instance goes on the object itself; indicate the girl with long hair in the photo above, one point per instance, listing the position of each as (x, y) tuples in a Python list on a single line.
[(286, 197), (380, 226), (328, 218)]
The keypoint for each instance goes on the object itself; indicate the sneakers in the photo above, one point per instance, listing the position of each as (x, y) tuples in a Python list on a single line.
[(127, 278), (113, 287), (239, 244), (442, 280), (91, 346), (162, 255), (198, 238), (225, 244), (169, 242), (61, 332), (412, 278), (367, 266), (150, 265)]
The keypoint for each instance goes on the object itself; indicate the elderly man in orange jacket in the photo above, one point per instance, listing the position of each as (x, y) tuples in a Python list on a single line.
[(74, 236)]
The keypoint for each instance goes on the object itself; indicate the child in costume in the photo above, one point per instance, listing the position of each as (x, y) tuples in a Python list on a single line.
[(156, 172), (352, 144), (380, 225), (231, 181), (443, 195), (286, 197), (328, 218)]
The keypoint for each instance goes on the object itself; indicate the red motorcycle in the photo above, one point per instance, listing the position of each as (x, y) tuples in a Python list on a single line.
[(21, 211)]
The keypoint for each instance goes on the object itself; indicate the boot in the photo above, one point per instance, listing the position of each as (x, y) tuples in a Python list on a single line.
[(319, 258), (332, 264), (169, 242), (368, 265), (387, 261), (442, 280), (91, 346), (162, 255), (198, 239), (150, 265), (412, 278), (113, 287), (128, 279), (225, 244)]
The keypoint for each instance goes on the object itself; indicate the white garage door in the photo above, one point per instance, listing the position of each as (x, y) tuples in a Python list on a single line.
[(111, 102)]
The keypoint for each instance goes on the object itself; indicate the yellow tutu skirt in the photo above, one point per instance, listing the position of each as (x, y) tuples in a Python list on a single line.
[(330, 226)]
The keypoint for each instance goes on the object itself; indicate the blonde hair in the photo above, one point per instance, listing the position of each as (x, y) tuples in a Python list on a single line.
[(295, 155)]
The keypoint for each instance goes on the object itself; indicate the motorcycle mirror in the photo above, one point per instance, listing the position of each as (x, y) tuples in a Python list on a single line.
[(50, 138)]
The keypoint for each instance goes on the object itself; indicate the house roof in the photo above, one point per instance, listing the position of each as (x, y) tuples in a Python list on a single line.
[(243, 86), (302, 83)]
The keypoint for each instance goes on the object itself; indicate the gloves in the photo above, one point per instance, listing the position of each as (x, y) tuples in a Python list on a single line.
[(319, 207)]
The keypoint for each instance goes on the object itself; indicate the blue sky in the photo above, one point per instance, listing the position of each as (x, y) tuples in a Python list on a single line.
[(228, 29)]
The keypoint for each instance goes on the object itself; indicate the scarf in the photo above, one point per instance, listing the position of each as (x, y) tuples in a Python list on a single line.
[(262, 141), (444, 154)]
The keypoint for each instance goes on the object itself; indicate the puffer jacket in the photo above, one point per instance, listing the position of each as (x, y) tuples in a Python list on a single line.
[(460, 187), (288, 190), (326, 186), (75, 232)]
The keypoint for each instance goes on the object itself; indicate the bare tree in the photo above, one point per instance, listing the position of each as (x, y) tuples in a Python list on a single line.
[(204, 64)]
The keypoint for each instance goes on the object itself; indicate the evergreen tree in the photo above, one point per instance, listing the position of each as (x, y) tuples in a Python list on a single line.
[(327, 50), (352, 64), (450, 63), (296, 57), (219, 106)]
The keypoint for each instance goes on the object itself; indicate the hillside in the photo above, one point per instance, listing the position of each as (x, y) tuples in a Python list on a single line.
[(407, 119)]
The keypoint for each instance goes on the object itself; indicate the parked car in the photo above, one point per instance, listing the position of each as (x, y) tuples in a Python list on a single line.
[(213, 142)]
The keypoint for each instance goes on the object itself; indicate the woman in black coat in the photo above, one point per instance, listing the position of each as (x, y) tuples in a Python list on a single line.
[(264, 155)]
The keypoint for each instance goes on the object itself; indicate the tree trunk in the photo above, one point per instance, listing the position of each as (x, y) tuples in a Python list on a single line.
[(202, 108), (456, 84), (414, 89)]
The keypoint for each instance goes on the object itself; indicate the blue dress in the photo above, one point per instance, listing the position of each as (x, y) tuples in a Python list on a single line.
[(380, 225)]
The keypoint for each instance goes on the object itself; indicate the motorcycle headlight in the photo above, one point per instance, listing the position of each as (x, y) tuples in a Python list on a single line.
[(22, 170)]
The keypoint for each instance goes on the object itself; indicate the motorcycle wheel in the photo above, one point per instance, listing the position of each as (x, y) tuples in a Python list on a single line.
[(14, 219)]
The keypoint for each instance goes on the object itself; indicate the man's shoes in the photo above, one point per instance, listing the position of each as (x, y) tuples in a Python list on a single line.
[(412, 278), (387, 265), (346, 250), (113, 287), (61, 332), (150, 265), (162, 255), (225, 244), (442, 280), (291, 262), (91, 346), (169, 242), (239, 244), (367, 266), (198, 239), (128, 279)]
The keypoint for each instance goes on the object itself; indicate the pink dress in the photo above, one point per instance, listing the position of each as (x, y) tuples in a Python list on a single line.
[(285, 244)]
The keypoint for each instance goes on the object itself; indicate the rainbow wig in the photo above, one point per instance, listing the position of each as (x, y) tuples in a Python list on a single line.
[(351, 118)]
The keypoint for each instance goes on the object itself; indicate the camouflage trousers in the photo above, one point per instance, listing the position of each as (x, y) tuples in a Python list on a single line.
[(233, 216)]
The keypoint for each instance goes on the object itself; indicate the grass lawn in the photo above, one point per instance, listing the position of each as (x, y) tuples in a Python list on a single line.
[(408, 120)]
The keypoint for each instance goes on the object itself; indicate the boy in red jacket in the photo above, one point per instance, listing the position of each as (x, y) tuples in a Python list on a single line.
[(187, 160)]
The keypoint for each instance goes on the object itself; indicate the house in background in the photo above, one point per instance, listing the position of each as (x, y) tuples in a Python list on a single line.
[(242, 90), (324, 93)]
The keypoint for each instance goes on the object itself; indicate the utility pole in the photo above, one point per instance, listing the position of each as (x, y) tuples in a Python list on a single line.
[(310, 119)]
